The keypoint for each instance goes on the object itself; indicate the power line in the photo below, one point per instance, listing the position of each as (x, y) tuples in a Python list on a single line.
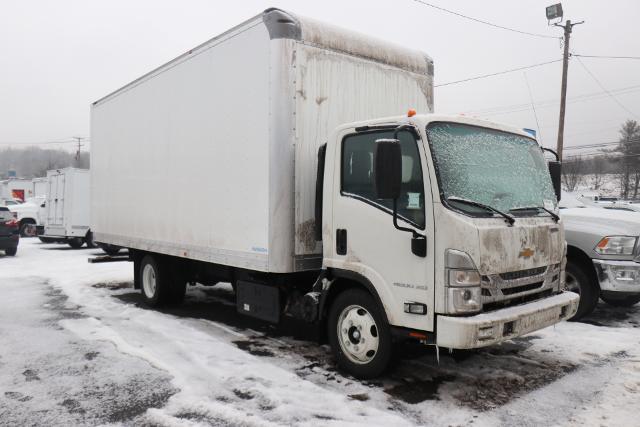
[(498, 73), (515, 108), (604, 89), (491, 24), (605, 57), (533, 106), (70, 140)]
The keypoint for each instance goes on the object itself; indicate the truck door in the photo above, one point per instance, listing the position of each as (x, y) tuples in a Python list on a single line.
[(365, 239), (56, 198)]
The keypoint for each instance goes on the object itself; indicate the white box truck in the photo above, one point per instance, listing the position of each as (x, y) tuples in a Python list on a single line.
[(67, 207), (294, 174)]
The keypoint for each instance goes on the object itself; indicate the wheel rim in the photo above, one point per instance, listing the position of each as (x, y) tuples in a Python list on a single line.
[(149, 281), (571, 283), (358, 334)]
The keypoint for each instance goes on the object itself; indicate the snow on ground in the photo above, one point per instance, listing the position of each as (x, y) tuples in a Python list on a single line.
[(78, 347)]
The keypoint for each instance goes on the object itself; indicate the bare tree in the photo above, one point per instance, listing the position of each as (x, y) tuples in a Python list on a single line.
[(630, 160), (572, 172), (598, 169), (34, 162)]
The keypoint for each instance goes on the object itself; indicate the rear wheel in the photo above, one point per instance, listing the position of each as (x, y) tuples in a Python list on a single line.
[(158, 285), (359, 334), (580, 280), (621, 300), (11, 251), (76, 242), (88, 240)]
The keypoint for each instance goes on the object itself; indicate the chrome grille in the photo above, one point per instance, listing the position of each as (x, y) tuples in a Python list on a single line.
[(499, 290), (512, 275)]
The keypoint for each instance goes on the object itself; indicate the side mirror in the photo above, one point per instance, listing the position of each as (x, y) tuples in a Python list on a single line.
[(387, 168), (555, 170), (43, 205)]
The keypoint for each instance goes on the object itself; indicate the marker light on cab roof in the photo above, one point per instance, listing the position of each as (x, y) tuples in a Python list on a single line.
[(411, 112)]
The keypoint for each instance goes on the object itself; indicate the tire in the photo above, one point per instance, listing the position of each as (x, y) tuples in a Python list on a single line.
[(621, 300), (157, 283), (11, 251), (47, 239), (88, 240), (24, 226), (109, 249), (579, 279), (76, 242), (354, 315)]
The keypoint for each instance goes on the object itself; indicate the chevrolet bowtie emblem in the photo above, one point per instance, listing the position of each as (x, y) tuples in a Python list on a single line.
[(526, 253)]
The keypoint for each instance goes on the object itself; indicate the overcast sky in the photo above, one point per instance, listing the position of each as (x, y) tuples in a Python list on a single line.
[(56, 57)]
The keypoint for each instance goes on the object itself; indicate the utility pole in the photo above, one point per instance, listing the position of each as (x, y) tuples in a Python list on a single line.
[(80, 145), (563, 91)]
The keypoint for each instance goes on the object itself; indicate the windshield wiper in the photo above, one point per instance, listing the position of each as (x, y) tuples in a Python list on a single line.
[(508, 218), (555, 217)]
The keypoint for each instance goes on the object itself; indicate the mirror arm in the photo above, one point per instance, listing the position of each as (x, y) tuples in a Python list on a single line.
[(399, 227), (399, 129)]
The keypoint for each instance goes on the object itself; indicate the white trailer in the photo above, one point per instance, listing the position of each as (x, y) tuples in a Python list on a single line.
[(285, 182), (40, 186), (67, 207)]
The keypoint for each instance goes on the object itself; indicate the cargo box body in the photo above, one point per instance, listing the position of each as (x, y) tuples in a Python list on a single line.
[(67, 203), (213, 155)]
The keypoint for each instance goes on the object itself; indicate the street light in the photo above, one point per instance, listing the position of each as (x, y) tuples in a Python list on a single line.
[(554, 12)]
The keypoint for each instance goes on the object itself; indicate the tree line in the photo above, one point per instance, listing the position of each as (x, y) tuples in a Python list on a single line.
[(622, 161), (33, 162)]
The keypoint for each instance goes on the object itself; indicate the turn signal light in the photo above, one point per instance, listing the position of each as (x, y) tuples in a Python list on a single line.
[(11, 223)]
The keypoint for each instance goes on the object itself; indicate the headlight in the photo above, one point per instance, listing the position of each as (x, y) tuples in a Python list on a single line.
[(464, 278), (463, 291), (616, 245)]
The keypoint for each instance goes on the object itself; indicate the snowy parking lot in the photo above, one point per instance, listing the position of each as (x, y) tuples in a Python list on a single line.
[(78, 347)]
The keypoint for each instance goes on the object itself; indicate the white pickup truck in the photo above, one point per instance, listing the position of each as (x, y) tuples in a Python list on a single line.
[(603, 254), (31, 215)]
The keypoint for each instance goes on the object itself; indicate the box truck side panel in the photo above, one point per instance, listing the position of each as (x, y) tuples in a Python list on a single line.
[(336, 88), (77, 221), (179, 160)]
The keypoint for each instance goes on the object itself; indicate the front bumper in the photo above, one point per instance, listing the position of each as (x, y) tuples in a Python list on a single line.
[(618, 276), (489, 328)]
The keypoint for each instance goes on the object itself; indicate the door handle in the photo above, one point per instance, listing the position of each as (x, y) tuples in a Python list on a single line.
[(341, 241)]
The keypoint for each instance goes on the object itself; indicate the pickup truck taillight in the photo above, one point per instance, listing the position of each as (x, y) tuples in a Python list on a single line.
[(12, 223)]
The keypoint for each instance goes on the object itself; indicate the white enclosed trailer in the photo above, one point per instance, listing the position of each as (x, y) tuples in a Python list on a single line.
[(67, 206), (267, 141)]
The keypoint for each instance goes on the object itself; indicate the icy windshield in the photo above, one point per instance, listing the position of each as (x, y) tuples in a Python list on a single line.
[(502, 170)]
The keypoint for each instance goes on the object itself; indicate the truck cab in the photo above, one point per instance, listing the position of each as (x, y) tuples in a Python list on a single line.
[(466, 251)]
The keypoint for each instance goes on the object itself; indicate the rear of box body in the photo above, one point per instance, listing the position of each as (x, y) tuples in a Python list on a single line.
[(213, 155), (67, 203)]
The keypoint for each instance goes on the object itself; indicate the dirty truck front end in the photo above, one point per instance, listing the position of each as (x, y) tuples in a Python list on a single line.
[(479, 198)]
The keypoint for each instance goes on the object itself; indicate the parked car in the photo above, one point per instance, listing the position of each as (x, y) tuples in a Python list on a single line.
[(603, 254), (9, 234)]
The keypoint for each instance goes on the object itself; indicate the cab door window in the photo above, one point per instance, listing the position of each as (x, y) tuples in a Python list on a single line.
[(357, 174)]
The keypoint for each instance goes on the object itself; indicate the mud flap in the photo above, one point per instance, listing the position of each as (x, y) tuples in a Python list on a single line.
[(260, 301)]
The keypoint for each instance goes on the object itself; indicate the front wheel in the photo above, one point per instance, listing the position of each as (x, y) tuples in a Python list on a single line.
[(359, 335), (621, 300), (580, 280)]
